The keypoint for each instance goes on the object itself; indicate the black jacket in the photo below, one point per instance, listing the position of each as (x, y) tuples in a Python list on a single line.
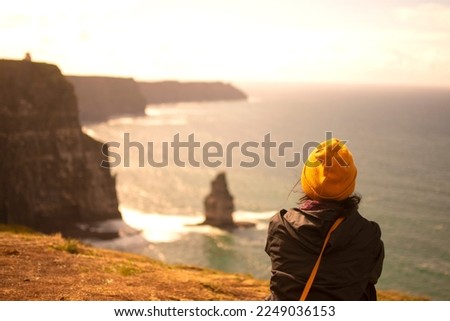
[(350, 266)]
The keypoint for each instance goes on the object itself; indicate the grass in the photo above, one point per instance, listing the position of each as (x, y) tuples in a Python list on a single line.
[(17, 229), (71, 246), (123, 268)]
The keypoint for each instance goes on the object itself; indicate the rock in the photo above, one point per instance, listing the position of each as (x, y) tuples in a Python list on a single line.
[(50, 174), (219, 204)]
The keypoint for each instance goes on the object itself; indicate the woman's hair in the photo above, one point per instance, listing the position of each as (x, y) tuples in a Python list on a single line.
[(350, 203)]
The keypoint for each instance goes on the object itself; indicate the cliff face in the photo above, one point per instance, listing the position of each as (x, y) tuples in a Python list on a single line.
[(174, 91), (100, 98), (50, 177)]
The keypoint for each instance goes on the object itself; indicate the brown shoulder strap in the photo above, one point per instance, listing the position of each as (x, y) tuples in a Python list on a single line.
[(312, 276)]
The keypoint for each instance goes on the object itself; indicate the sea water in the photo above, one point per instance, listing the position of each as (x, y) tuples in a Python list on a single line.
[(399, 137)]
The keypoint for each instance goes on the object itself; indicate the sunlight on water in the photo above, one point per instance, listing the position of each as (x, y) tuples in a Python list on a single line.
[(90, 132), (167, 110), (147, 121), (160, 228)]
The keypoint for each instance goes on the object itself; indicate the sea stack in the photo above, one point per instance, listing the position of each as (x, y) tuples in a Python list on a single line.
[(219, 204)]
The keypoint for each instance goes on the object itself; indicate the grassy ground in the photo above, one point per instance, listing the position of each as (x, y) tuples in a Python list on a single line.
[(41, 267)]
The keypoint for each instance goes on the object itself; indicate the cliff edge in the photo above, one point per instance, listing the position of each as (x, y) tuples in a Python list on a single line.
[(50, 178), (41, 267)]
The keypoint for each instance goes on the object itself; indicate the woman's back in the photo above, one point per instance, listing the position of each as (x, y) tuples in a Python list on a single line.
[(353, 257), (351, 262)]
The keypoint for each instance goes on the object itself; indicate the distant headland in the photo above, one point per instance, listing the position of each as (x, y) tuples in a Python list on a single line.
[(100, 98), (175, 92)]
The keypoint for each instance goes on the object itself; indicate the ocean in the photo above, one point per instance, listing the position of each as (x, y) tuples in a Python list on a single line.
[(399, 137)]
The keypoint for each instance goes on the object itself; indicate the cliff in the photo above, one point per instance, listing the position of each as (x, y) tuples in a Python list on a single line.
[(100, 98), (174, 91), (41, 267), (50, 178)]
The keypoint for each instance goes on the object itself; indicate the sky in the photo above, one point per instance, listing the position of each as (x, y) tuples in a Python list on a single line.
[(345, 41)]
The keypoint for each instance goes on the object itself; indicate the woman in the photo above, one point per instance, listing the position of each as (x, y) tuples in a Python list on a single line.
[(353, 257)]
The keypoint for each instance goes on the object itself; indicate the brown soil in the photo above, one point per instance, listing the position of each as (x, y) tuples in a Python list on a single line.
[(41, 267)]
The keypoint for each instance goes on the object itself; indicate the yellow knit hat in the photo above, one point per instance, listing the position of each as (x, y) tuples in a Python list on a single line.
[(329, 173)]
